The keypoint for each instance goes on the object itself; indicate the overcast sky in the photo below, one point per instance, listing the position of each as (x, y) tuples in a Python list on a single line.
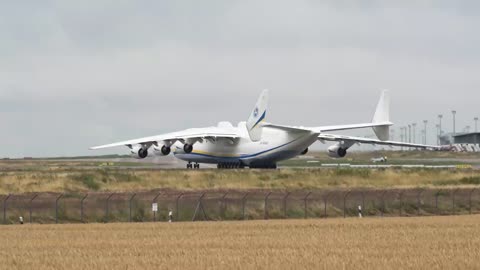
[(74, 74)]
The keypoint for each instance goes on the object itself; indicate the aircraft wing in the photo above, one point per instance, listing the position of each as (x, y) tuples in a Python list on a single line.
[(287, 128), (351, 139), (327, 128), (354, 126), (171, 138), (342, 138)]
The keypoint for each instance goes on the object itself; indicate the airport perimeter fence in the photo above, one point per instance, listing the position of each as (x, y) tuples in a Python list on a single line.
[(235, 205)]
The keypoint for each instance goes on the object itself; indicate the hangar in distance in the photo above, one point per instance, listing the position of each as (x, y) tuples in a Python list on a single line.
[(257, 143)]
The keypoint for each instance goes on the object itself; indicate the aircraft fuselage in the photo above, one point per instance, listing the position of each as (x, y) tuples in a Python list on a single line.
[(276, 145)]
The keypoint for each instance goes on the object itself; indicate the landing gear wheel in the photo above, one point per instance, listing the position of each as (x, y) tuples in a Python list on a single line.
[(189, 165), (196, 166)]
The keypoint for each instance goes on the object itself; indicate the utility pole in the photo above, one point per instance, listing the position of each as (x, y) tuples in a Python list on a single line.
[(453, 114), (440, 116), (409, 133), (401, 136), (476, 120), (425, 122), (414, 132)]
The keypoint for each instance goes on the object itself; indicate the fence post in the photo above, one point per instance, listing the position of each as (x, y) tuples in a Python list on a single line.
[(30, 207), (305, 203), (265, 214), (401, 201), (363, 204), (176, 206), (130, 207), (325, 200), (5, 208), (56, 207), (453, 200), (470, 201), (154, 201), (285, 205), (382, 199), (200, 207), (244, 201), (223, 206), (437, 194), (419, 201), (81, 207), (106, 207), (345, 204)]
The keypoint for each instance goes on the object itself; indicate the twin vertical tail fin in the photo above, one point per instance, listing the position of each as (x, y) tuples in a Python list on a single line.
[(254, 123), (382, 117)]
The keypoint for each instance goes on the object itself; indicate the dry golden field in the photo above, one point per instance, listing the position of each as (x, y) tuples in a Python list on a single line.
[(392, 243), (76, 180), (121, 174)]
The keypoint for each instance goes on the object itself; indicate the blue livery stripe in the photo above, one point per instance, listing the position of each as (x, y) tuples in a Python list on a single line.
[(260, 119), (243, 156)]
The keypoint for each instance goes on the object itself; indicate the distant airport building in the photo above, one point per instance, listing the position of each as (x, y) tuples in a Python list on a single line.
[(461, 142), (469, 138), (460, 138)]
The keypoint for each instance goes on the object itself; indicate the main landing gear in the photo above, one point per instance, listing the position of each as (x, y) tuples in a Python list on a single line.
[(233, 165), (193, 166), (263, 166)]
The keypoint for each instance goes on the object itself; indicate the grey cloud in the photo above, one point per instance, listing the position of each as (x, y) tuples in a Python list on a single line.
[(77, 73)]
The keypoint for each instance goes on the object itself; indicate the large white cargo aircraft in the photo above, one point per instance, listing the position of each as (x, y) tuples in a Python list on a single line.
[(258, 144)]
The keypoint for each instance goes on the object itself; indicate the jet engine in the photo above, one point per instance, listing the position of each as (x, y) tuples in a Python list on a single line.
[(337, 151), (162, 151), (188, 148), (304, 152), (138, 152)]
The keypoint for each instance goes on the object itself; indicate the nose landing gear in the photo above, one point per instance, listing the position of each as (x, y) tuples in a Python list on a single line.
[(193, 166)]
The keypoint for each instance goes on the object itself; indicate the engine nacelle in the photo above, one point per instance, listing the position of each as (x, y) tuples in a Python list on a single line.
[(187, 148), (304, 152), (162, 151), (138, 152), (337, 151)]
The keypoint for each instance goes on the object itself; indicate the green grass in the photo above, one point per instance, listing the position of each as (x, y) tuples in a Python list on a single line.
[(89, 180)]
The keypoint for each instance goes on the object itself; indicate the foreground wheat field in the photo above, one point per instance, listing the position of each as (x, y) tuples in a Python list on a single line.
[(391, 243)]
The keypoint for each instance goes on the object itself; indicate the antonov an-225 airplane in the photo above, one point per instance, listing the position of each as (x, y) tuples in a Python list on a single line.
[(258, 144)]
